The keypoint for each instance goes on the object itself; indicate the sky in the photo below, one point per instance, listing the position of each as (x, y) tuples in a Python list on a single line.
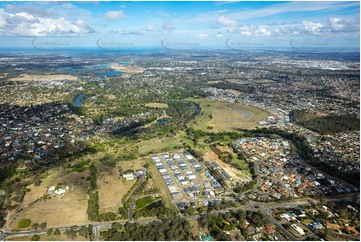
[(179, 25)]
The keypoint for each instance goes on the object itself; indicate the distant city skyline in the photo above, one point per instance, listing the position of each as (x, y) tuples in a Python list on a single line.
[(179, 25)]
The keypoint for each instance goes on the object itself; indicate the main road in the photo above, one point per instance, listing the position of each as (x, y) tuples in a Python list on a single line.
[(255, 206)]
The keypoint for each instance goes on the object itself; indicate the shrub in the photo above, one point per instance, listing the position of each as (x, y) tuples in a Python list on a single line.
[(24, 223)]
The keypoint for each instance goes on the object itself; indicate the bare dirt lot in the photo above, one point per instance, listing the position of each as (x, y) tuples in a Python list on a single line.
[(232, 171), (27, 77)]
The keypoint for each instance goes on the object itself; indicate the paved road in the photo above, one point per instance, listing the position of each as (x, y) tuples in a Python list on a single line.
[(280, 227), (131, 210), (264, 207)]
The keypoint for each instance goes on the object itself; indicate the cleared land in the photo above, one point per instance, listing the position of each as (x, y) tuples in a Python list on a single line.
[(111, 190), (27, 77), (112, 187), (157, 105), (233, 172), (220, 116), (56, 211), (126, 69)]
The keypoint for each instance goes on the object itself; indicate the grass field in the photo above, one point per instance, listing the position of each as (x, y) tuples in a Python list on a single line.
[(163, 189), (112, 188), (220, 116), (56, 211), (157, 145), (156, 105), (194, 227), (239, 81)]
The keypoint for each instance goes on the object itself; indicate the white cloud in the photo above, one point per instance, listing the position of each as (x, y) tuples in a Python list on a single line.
[(26, 24), (253, 30), (262, 32), (290, 7), (135, 32), (168, 27), (115, 15), (201, 36), (226, 22), (3, 22), (149, 28), (313, 27), (246, 33), (79, 22), (344, 25)]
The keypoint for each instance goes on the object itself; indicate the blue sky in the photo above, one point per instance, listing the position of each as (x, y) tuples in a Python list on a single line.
[(179, 24)]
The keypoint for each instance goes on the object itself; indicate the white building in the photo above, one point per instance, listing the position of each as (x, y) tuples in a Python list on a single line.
[(129, 176), (298, 229)]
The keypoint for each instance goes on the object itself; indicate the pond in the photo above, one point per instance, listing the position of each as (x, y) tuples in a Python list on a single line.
[(245, 114), (78, 100)]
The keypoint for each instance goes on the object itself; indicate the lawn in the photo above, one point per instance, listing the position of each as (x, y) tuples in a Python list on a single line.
[(220, 116)]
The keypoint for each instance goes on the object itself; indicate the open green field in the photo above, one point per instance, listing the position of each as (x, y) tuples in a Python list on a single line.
[(156, 105), (222, 116), (164, 191), (157, 145)]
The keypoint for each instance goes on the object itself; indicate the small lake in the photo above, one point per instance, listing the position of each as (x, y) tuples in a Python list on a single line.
[(245, 114), (161, 121), (78, 100)]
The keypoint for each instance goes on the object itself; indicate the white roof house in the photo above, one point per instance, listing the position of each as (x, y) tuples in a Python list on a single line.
[(129, 176), (51, 189)]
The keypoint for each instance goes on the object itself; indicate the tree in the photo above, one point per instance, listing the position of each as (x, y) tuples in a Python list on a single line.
[(83, 231), (189, 210), (24, 223), (71, 233), (57, 232), (35, 237), (90, 231), (49, 232), (201, 210), (43, 225), (117, 226), (35, 226)]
